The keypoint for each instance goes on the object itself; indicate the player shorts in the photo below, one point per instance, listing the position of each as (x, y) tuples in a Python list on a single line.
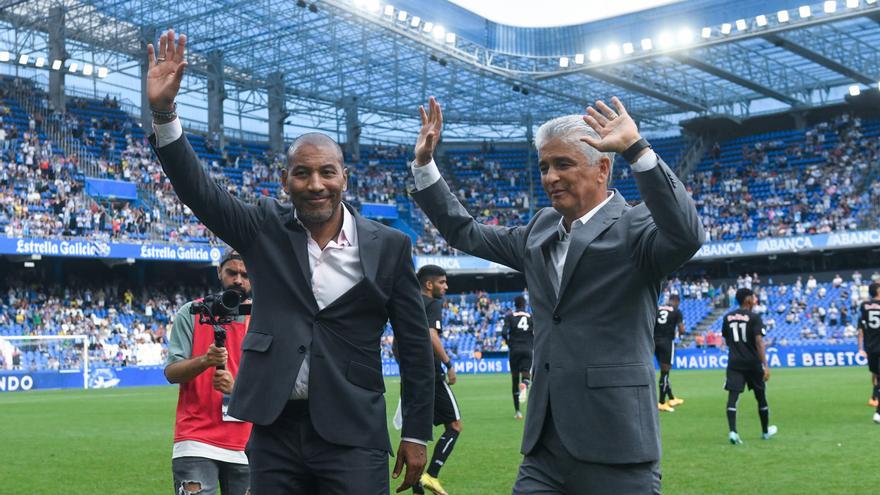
[(520, 359), (664, 351), (738, 379), (874, 362), (445, 406)]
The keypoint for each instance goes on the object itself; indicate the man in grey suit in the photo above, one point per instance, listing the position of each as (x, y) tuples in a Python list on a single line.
[(325, 281), (593, 266)]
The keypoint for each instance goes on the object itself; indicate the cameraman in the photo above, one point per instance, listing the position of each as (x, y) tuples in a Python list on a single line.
[(209, 445)]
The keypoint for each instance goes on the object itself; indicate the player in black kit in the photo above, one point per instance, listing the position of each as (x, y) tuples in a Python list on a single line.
[(869, 337), (670, 322), (743, 332), (519, 334), (432, 279)]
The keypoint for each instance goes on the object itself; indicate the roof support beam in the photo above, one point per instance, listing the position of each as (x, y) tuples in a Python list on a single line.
[(819, 59), (656, 93), (723, 74)]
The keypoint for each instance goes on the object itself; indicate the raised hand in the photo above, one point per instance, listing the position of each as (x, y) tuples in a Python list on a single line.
[(429, 134), (166, 71), (616, 129)]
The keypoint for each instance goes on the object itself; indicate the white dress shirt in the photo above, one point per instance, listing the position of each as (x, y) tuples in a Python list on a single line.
[(559, 250)]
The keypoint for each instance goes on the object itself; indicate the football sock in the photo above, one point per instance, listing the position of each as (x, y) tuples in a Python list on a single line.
[(877, 394), (515, 381), (663, 385), (442, 451), (732, 399), (763, 409)]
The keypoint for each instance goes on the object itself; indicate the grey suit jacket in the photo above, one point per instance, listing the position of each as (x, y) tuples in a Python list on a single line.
[(593, 358), (346, 388)]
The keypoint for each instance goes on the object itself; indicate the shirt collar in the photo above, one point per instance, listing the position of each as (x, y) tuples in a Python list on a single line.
[(347, 234), (560, 227)]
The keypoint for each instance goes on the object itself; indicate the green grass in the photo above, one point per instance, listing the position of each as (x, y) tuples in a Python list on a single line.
[(119, 441)]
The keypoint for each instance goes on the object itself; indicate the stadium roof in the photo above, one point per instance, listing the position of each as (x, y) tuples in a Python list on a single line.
[(550, 13), (491, 78)]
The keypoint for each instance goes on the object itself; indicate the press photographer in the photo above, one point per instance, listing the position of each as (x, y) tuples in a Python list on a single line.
[(204, 352)]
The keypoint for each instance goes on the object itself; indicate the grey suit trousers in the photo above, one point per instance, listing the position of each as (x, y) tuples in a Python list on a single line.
[(550, 469)]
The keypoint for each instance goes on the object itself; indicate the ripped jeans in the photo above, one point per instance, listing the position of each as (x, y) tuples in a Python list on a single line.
[(197, 475)]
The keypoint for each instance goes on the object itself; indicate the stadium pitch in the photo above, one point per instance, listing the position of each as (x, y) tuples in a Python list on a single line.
[(119, 441)]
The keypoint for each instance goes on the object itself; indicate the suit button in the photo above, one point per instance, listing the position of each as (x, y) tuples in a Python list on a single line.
[(302, 349), (547, 366), (557, 319)]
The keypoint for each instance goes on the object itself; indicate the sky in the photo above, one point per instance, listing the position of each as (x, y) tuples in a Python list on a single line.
[(543, 13)]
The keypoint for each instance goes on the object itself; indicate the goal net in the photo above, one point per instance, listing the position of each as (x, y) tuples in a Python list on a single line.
[(42, 353)]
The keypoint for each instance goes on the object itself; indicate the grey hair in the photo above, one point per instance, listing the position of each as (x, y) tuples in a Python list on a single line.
[(570, 128), (314, 139)]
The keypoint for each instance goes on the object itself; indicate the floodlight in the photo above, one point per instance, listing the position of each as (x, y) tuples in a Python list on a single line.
[(415, 21), (851, 4), (87, 69), (373, 6), (725, 28), (428, 27), (595, 55), (707, 32), (612, 51), (439, 33), (782, 16), (72, 68), (23, 59), (628, 48), (102, 72), (855, 90), (4, 56), (450, 37), (56, 65), (647, 44), (830, 7), (563, 62), (805, 11), (40, 62), (741, 25), (685, 36), (761, 20), (579, 58), (401, 15), (389, 10)]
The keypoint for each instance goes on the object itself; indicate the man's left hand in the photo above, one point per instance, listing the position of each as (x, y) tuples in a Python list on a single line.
[(223, 381), (616, 129), (414, 456)]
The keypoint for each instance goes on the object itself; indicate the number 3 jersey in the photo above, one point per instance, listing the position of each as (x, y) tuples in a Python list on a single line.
[(869, 322), (668, 319), (740, 330)]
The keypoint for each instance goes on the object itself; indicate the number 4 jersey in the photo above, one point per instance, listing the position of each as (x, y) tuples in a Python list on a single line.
[(740, 330), (869, 322)]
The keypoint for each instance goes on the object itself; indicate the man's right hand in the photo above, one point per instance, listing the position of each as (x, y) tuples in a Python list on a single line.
[(216, 356), (429, 134), (166, 71)]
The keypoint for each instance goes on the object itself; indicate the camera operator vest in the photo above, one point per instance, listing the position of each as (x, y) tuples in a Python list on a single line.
[(199, 406)]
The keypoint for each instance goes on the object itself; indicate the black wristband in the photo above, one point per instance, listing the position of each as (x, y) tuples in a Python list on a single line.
[(633, 151)]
